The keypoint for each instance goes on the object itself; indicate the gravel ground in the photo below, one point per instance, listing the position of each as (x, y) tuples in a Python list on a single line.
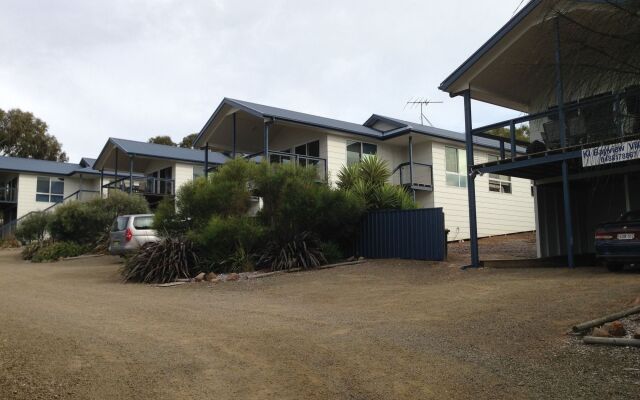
[(378, 330), (505, 247)]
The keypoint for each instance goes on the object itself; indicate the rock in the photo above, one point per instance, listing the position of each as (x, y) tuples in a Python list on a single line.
[(351, 259), (616, 329), (216, 280), (636, 335), (233, 277), (360, 258), (199, 277), (210, 277), (600, 332)]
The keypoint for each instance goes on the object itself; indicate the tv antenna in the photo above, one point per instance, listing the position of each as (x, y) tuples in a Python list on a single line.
[(423, 103)]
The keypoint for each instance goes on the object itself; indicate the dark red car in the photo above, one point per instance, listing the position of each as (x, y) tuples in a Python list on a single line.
[(618, 243)]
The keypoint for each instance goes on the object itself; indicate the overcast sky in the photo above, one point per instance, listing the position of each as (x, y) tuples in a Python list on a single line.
[(136, 69)]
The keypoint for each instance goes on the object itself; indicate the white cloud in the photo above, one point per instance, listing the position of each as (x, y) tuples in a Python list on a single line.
[(140, 68)]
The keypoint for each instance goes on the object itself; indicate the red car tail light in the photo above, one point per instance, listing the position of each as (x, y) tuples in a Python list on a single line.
[(600, 235), (128, 235)]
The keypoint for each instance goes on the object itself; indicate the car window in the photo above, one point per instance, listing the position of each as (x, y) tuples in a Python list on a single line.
[(630, 216), (119, 224), (143, 222)]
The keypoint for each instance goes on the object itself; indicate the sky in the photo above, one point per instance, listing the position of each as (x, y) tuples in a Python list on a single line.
[(137, 69)]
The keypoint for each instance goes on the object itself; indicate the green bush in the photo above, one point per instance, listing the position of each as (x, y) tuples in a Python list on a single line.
[(303, 251), (56, 250), (89, 223), (332, 252), (161, 262), (29, 250), (33, 227), (228, 241)]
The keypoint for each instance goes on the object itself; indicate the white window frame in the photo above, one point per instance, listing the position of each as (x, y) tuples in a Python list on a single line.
[(461, 163), (51, 197), (361, 155), (502, 181)]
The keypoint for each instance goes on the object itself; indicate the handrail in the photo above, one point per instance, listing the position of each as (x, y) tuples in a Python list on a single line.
[(404, 164), (575, 105)]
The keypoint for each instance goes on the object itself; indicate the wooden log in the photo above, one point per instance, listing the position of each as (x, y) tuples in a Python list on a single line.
[(608, 318), (612, 341)]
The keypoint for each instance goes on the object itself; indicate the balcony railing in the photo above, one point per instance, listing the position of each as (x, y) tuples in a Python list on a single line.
[(422, 176), (144, 185), (280, 157), (588, 122), (8, 194)]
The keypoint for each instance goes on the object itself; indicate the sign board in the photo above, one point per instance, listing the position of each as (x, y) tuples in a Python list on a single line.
[(611, 153)]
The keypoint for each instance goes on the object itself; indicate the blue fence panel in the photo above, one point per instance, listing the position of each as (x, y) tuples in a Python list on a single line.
[(410, 234)]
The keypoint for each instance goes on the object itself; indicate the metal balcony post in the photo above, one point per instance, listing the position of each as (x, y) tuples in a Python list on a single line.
[(116, 172), (206, 159), (235, 137), (413, 192), (130, 175), (512, 133), (563, 143), (266, 141), (502, 152), (101, 182), (471, 186)]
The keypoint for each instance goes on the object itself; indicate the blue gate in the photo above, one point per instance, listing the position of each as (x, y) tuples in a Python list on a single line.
[(410, 234)]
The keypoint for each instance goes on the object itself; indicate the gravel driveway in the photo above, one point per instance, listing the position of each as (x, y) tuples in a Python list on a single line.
[(378, 330)]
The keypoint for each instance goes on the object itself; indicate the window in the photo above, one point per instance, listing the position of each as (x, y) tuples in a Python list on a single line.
[(356, 151), (311, 149), (49, 190), (456, 167), (498, 183), (119, 224), (145, 222)]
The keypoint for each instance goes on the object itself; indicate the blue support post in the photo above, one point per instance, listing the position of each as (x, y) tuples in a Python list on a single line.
[(471, 186), (206, 160), (130, 175), (563, 143), (413, 192), (502, 152), (116, 172), (101, 181), (512, 133), (266, 142), (235, 136)]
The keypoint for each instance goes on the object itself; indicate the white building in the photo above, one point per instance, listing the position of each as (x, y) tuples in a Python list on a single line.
[(426, 160)]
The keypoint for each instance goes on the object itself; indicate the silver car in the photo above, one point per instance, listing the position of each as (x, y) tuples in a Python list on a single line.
[(130, 232)]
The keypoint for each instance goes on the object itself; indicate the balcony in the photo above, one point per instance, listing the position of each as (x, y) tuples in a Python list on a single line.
[(8, 194), (147, 186), (420, 177), (279, 157), (589, 122)]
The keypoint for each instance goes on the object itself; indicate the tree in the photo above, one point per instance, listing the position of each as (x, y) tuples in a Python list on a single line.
[(24, 135), (163, 139), (187, 141), (522, 133)]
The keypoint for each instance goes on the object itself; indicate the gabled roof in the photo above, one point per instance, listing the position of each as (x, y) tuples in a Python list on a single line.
[(405, 126), (153, 150), (495, 39), (87, 162), (269, 112)]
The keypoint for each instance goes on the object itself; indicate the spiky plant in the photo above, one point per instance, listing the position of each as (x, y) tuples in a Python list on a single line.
[(161, 262), (303, 251)]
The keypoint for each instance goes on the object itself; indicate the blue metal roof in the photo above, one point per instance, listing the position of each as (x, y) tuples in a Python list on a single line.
[(87, 162), (18, 164), (154, 150), (306, 119)]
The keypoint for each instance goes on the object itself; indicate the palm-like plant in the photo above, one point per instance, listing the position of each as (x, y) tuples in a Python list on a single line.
[(368, 180)]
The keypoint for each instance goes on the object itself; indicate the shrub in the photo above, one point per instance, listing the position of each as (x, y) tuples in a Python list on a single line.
[(56, 250), (33, 227), (228, 241), (161, 262), (9, 242), (89, 223), (303, 251), (32, 248), (332, 252)]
